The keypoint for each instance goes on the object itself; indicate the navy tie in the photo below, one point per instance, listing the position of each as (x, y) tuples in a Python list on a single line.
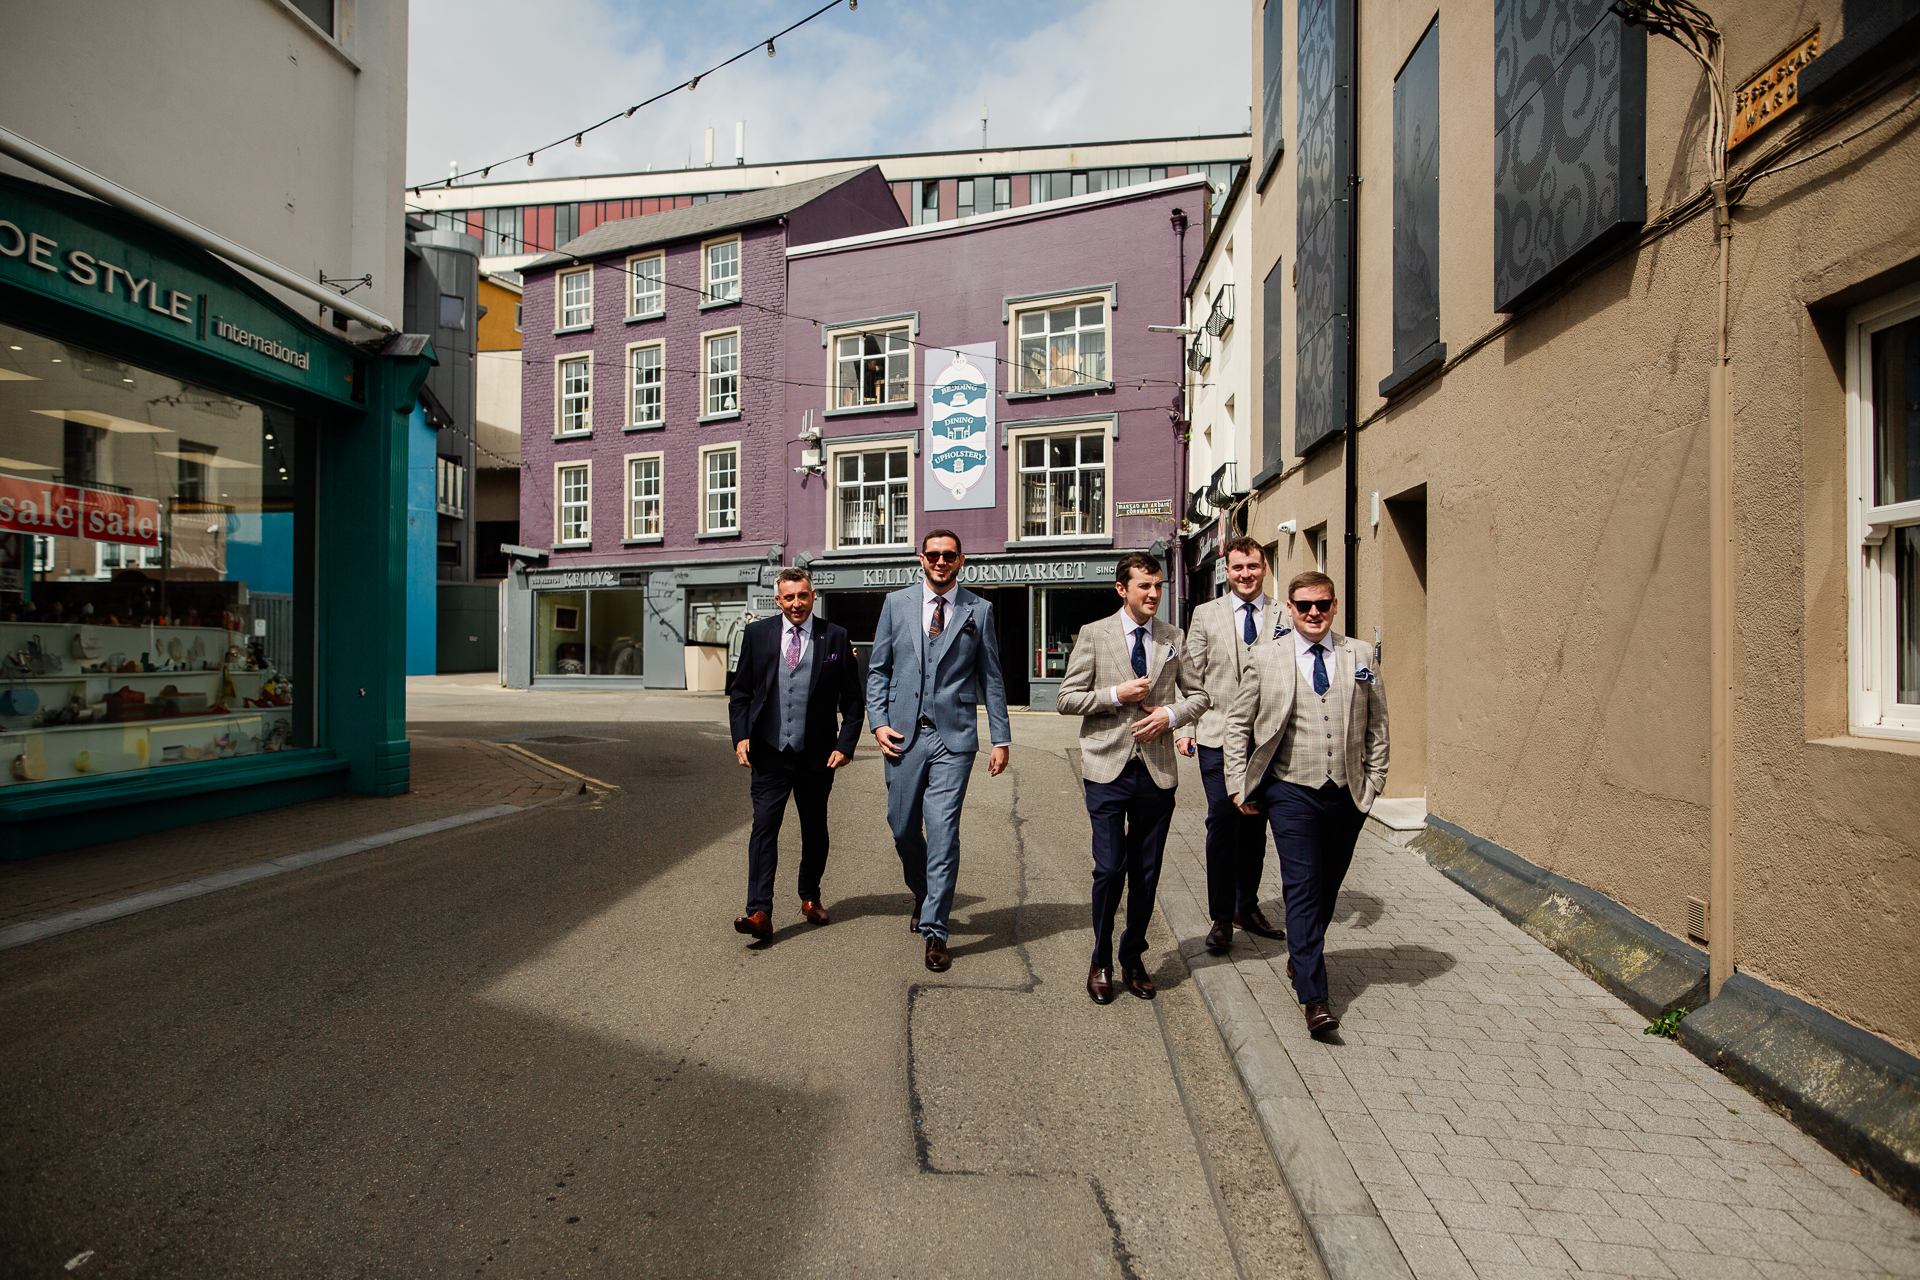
[(1140, 651), (1247, 633), (1319, 669)]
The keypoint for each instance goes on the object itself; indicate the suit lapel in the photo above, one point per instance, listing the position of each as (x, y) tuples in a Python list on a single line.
[(1157, 650), (816, 655)]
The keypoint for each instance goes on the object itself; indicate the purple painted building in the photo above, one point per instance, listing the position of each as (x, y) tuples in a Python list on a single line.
[(655, 422), (1051, 448)]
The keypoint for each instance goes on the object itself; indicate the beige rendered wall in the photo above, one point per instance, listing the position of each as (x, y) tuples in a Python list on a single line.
[(1562, 469), (237, 114)]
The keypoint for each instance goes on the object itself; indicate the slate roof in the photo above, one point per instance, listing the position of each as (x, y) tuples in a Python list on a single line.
[(698, 220)]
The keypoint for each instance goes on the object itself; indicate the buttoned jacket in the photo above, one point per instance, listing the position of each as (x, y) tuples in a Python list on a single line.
[(1101, 659), (910, 675), (1262, 711), (1217, 652)]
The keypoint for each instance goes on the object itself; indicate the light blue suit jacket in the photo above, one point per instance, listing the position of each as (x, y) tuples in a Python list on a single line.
[(967, 649)]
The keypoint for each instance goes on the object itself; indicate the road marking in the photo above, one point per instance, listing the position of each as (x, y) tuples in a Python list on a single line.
[(514, 746), (19, 935)]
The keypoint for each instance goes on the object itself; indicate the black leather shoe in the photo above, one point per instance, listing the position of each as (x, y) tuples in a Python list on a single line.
[(1320, 1019), (1255, 921), (1100, 984), (913, 921), (1135, 976), (938, 960), (1220, 937)]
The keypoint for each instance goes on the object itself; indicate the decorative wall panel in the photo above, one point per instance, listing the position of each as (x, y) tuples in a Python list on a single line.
[(1272, 49), (1273, 300), (1416, 205), (1323, 303)]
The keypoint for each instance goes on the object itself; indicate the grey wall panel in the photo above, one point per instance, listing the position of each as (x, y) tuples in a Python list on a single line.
[(1323, 302), (1531, 39), (1416, 201), (1273, 301), (1320, 282), (1321, 386), (1273, 60)]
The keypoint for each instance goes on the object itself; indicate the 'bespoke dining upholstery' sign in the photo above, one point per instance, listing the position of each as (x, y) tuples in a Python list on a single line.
[(961, 385)]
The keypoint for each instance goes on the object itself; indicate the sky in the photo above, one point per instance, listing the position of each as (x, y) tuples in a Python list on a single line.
[(491, 79)]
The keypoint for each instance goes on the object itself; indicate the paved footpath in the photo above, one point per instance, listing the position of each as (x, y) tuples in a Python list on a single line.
[(1505, 1115)]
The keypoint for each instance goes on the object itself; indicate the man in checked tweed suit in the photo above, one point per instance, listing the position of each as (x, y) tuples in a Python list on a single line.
[(1129, 683), (1306, 743)]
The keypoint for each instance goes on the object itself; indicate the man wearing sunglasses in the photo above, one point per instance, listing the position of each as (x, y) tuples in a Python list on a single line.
[(934, 653), (1306, 743)]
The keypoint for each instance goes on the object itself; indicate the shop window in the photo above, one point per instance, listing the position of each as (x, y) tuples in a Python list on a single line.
[(872, 368), (573, 505), (716, 616), (646, 383), (590, 633), (1884, 472), (720, 489), (1063, 346), (576, 395), (873, 500), (1058, 615), (721, 265), (722, 373), (449, 552), (450, 487), (576, 299), (643, 497), (146, 522), (1063, 485), (649, 286)]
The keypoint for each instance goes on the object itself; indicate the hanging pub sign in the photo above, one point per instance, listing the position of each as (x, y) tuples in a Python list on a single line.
[(72, 511), (961, 386)]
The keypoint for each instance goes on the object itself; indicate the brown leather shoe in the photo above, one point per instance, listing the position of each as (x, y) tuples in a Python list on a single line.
[(1319, 1017), (1100, 984), (1135, 976), (814, 912), (1220, 937), (758, 925), (938, 960), (1255, 921)]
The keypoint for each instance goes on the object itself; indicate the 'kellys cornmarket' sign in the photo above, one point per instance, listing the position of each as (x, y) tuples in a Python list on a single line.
[(87, 255)]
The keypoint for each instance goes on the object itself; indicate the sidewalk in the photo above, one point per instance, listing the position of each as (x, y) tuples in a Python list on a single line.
[(1502, 1115), (451, 776)]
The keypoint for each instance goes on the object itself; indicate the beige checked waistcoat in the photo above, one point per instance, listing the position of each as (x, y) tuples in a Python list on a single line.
[(1315, 747)]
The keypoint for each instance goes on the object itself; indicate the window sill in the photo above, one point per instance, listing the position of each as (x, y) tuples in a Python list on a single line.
[(1069, 540), (578, 328), (860, 410), (716, 303), (718, 417), (651, 315), (723, 533), (573, 435), (1415, 372), (644, 426), (573, 546), (1078, 389), (1864, 737), (877, 549), (653, 541)]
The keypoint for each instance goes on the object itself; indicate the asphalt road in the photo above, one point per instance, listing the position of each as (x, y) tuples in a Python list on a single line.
[(535, 1046)]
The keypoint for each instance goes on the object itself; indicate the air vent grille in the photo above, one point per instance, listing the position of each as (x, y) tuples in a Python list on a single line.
[(1697, 920)]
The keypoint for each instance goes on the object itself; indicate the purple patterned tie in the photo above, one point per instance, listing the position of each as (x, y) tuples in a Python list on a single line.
[(793, 648)]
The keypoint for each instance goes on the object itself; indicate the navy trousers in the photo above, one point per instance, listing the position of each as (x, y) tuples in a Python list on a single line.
[(1236, 844), (1314, 831), (776, 775), (1130, 816)]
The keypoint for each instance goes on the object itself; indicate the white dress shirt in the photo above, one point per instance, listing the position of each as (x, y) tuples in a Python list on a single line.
[(1303, 649), (787, 629), (1128, 627)]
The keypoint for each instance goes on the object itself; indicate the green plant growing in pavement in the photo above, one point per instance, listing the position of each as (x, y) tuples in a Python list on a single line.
[(1667, 1024)]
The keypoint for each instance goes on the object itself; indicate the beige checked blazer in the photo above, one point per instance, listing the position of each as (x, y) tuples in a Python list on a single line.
[(1216, 653), (1263, 709), (1101, 659)]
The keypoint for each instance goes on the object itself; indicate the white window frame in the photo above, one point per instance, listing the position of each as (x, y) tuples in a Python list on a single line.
[(834, 452), (560, 503), (1872, 670), (903, 329), (634, 278), (708, 279), (707, 375), (1016, 506), (1025, 308), (635, 533), (710, 451), (561, 306), (634, 421), (560, 393)]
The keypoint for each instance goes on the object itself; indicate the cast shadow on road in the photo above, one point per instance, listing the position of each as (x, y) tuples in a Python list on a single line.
[(1352, 970), (1358, 910), (844, 910)]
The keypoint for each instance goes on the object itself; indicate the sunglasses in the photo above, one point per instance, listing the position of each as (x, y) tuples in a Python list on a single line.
[(940, 557), (1312, 606)]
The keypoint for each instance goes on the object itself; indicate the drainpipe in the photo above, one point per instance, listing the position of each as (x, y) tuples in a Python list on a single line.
[(1721, 571), (1350, 587), (1180, 425)]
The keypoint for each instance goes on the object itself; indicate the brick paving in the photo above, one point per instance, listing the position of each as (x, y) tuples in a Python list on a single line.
[(450, 776), (1509, 1117)]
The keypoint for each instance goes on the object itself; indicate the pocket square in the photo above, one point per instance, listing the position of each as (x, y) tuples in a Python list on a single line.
[(969, 629), (832, 657), (1363, 675)]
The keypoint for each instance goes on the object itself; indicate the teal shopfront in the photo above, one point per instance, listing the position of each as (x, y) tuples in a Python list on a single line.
[(202, 536)]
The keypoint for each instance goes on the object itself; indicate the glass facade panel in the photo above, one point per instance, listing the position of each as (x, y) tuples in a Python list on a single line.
[(614, 632), (560, 633)]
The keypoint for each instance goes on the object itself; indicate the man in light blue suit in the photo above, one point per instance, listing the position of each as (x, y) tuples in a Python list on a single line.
[(934, 653)]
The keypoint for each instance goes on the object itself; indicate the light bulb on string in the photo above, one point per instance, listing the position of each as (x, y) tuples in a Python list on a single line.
[(577, 137), (484, 172), (769, 48), (529, 159)]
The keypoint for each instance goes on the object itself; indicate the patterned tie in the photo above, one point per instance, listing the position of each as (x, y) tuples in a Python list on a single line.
[(1319, 669), (939, 623), (1247, 633), (1140, 651), (793, 648)]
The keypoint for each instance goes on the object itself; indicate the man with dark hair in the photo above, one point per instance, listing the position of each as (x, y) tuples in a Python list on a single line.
[(1306, 742), (796, 676), (1220, 638), (1130, 687), (934, 646)]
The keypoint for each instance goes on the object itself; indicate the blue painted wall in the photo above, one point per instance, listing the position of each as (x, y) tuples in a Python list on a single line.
[(260, 551), (423, 538)]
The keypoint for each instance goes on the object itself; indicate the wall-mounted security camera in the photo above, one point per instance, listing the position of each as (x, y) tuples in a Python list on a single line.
[(1289, 526)]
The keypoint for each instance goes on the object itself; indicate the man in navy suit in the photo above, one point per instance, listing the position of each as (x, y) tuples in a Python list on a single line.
[(934, 654), (796, 677)]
